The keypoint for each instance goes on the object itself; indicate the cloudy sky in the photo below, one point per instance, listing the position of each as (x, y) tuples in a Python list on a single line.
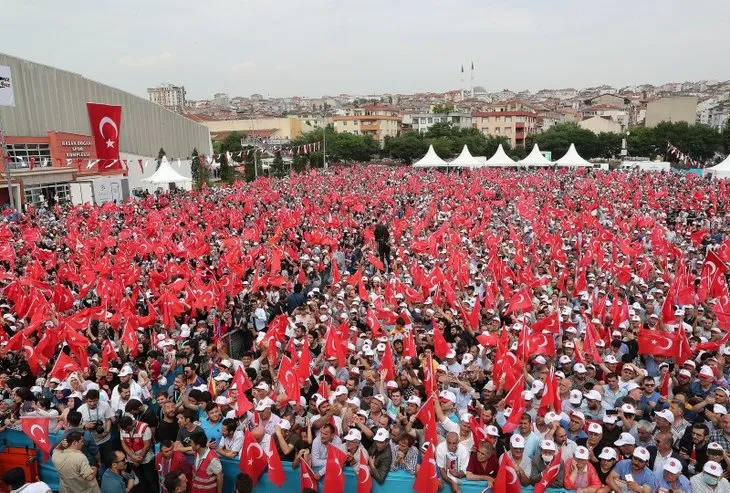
[(317, 47)]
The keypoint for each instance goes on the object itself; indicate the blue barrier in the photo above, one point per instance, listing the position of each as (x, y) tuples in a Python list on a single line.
[(396, 481)]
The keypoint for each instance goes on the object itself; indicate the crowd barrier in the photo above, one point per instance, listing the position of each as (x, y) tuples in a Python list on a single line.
[(397, 481)]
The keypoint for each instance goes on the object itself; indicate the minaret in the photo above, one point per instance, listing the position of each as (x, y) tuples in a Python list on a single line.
[(462, 82), (471, 86)]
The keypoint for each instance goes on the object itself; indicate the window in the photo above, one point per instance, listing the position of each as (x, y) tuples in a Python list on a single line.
[(20, 155), (497, 130), (520, 119), (355, 132), (507, 119), (498, 119), (344, 124), (48, 193), (430, 120), (356, 122), (508, 130)]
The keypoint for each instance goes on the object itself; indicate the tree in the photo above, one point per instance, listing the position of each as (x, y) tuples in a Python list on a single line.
[(228, 174), (557, 139), (160, 155), (406, 147), (726, 137), (278, 169), (198, 169), (609, 144), (442, 108), (442, 129), (443, 147)]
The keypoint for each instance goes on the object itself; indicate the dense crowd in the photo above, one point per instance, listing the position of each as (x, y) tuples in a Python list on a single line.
[(556, 329)]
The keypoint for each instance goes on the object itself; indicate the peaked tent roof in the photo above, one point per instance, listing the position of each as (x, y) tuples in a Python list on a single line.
[(430, 160), (500, 158), (535, 158), (165, 174), (572, 159), (465, 159), (721, 170)]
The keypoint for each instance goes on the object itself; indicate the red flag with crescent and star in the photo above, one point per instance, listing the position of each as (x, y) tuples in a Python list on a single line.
[(507, 480), (37, 430), (105, 121), (658, 343), (276, 470), (253, 459), (364, 479), (306, 478), (426, 478), (334, 477), (549, 474)]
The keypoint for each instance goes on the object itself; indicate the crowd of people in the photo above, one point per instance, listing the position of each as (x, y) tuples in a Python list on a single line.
[(552, 329)]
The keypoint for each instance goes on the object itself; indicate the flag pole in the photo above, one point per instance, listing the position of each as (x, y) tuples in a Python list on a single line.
[(6, 163), (324, 144)]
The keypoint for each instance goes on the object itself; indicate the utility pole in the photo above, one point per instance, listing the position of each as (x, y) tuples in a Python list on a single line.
[(324, 144), (11, 197)]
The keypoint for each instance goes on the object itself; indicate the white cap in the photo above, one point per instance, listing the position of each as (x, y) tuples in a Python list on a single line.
[(609, 419), (540, 360), (264, 404), (641, 453), (354, 401), (593, 395), (548, 445), (352, 435), (665, 414), (625, 439), (516, 441), (706, 371), (528, 395), (673, 466), (581, 453), (551, 417), (492, 431), (222, 400), (611, 359), (595, 428), (569, 344), (712, 468), (448, 396), (578, 415), (381, 435), (608, 453), (579, 368), (414, 399), (125, 371), (564, 360), (719, 409), (390, 385), (632, 386), (285, 424), (263, 386), (451, 354), (340, 390), (576, 396), (628, 409), (537, 386)]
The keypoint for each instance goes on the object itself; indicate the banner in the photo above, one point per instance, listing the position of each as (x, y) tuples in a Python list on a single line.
[(105, 121), (7, 97)]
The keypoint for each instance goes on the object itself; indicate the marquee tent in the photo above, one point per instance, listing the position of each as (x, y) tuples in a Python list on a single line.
[(465, 160), (572, 159), (430, 160), (500, 158), (721, 170), (535, 158), (165, 174)]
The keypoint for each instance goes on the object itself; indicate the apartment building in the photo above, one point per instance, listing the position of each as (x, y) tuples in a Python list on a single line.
[(376, 120), (512, 119), (170, 96), (421, 122)]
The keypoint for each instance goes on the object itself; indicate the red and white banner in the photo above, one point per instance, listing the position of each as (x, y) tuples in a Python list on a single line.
[(105, 121)]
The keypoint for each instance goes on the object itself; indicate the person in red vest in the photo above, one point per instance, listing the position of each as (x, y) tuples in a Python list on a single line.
[(207, 470), (136, 439), (167, 460)]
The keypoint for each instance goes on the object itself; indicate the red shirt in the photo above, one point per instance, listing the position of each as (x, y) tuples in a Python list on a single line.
[(489, 469)]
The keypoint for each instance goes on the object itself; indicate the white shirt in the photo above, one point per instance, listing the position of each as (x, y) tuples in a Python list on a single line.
[(460, 458), (135, 391), (102, 412), (39, 487), (234, 443)]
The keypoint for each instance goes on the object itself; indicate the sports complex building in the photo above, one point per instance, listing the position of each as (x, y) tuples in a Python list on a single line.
[(50, 148)]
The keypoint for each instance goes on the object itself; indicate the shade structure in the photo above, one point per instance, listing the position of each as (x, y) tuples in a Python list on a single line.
[(465, 160), (572, 159), (500, 158), (535, 158), (165, 174), (721, 170), (430, 160)]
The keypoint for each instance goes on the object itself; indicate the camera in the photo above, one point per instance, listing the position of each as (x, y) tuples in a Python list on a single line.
[(99, 427)]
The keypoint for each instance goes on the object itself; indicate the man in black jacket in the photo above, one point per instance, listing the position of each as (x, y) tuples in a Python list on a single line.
[(382, 238)]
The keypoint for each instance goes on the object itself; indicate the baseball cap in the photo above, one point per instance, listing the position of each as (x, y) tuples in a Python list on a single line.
[(564, 360), (595, 428), (285, 424), (517, 441), (263, 386), (665, 414), (414, 399), (632, 386), (712, 468), (576, 396), (548, 445), (447, 395), (714, 446), (581, 453), (609, 419), (353, 434), (705, 371), (719, 409), (611, 359), (641, 453), (492, 431), (222, 400), (551, 417), (354, 401), (125, 371), (381, 435), (264, 404), (685, 373), (625, 439), (593, 395), (579, 368), (628, 409), (673, 466), (608, 454), (579, 415)]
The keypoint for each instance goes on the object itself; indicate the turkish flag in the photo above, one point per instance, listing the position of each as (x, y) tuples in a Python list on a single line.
[(521, 300), (37, 430), (105, 121), (288, 379), (243, 405), (427, 416), (276, 470), (107, 353), (253, 459), (334, 477), (549, 474), (376, 262), (429, 380), (371, 320), (550, 323), (664, 387), (409, 345), (306, 477), (712, 278), (65, 365), (333, 347), (364, 479), (426, 478), (658, 343), (303, 370), (507, 480), (540, 344), (440, 346)]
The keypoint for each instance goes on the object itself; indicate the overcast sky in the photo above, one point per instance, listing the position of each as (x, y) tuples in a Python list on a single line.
[(318, 47)]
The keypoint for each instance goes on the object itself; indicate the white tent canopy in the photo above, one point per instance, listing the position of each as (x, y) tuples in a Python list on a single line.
[(165, 174), (465, 159), (721, 170), (535, 158), (430, 160), (500, 158), (572, 159)]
